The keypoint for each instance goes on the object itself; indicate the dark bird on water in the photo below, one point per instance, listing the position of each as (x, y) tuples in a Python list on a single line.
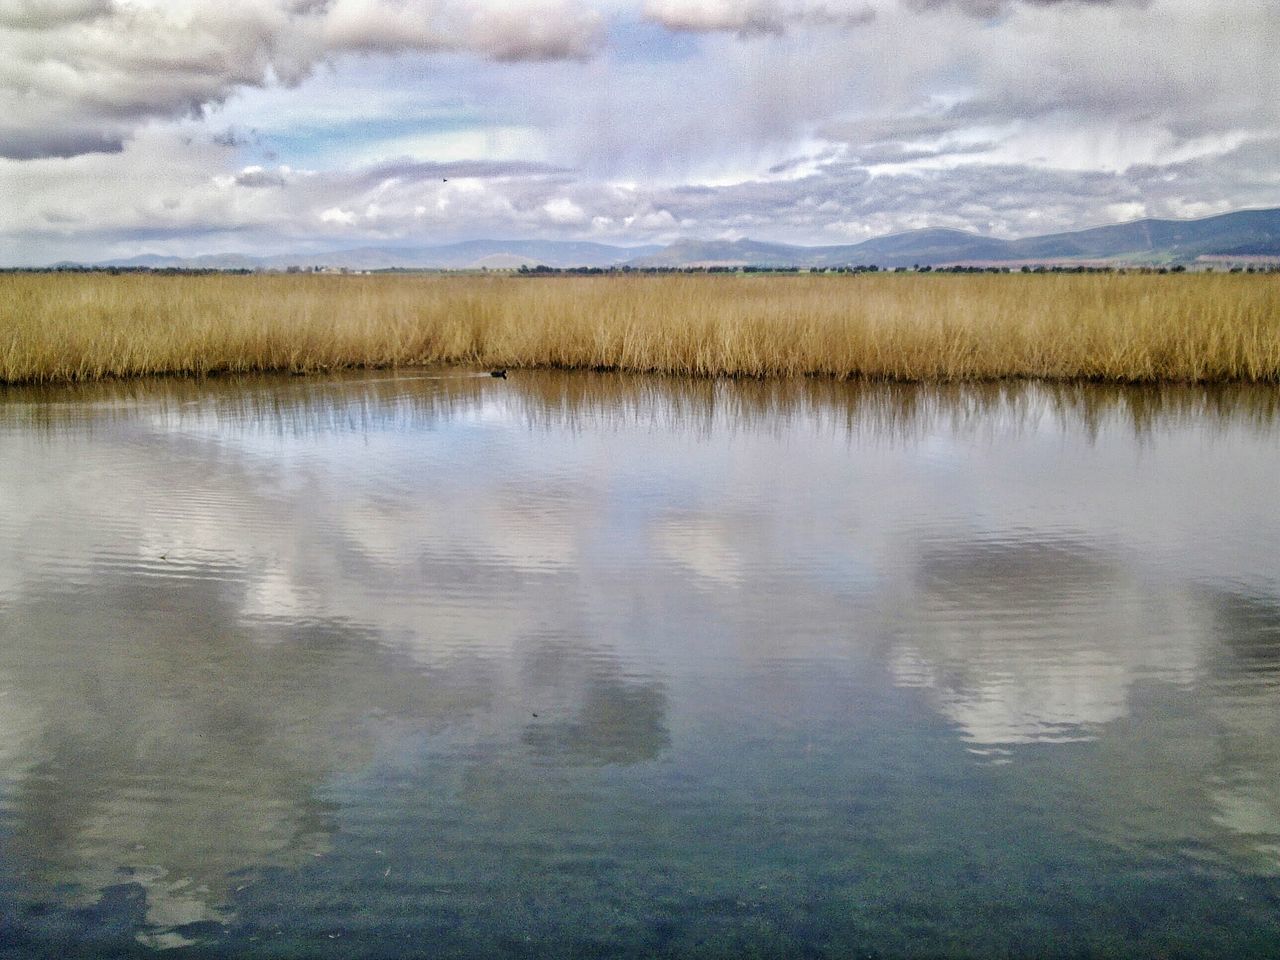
[(500, 374)]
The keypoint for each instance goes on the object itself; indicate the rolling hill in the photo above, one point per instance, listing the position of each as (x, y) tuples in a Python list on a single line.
[(1246, 233)]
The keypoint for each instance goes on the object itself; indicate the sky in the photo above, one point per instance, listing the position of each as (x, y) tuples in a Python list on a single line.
[(188, 127)]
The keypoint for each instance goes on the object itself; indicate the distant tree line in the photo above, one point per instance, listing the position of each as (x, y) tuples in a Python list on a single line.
[(542, 270), (119, 271)]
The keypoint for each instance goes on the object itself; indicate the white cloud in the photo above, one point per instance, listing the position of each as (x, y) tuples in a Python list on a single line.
[(338, 215), (565, 211)]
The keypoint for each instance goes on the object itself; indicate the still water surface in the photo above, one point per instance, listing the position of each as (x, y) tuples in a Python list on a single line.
[(591, 665)]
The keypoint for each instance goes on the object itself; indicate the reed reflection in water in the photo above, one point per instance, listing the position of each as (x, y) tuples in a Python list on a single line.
[(574, 664)]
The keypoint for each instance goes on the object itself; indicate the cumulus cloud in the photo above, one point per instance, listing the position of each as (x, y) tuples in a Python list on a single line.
[(756, 16), (82, 75)]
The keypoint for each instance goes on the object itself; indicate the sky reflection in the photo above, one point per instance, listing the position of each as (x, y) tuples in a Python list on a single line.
[(239, 619)]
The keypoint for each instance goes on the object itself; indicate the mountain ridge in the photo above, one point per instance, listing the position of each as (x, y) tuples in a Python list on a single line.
[(1245, 233), (1149, 240)]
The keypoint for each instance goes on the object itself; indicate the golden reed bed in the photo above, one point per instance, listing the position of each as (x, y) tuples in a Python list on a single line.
[(1120, 328)]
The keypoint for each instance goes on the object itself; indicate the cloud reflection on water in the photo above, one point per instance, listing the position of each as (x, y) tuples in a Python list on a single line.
[(1037, 640), (249, 588)]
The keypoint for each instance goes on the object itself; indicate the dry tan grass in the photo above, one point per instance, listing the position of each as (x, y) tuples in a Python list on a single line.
[(1134, 328)]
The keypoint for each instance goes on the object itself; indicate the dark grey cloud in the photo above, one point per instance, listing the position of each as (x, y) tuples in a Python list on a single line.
[(231, 138), (408, 169), (43, 14), (102, 69), (22, 143), (258, 177), (991, 8), (848, 202), (893, 128), (755, 17), (887, 153)]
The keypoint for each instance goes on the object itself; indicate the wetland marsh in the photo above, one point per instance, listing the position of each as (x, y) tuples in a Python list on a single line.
[(912, 327)]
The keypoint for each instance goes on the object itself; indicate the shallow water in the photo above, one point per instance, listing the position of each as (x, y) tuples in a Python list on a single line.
[(590, 665)]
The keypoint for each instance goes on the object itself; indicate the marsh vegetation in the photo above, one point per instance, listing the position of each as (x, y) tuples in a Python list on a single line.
[(1118, 328)]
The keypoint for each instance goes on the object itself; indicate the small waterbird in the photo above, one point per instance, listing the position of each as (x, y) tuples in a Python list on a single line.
[(500, 374)]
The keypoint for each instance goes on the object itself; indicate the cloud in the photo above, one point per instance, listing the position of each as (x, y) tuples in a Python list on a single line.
[(747, 17), (167, 193), (258, 177), (564, 211), (992, 8), (546, 31), (43, 14), (18, 143), (82, 75), (425, 171), (754, 17), (532, 30), (1057, 116)]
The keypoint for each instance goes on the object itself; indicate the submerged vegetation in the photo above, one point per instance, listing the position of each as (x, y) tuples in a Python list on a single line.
[(1120, 328)]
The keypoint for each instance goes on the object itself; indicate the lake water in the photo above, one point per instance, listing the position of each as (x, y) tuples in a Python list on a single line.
[(577, 665)]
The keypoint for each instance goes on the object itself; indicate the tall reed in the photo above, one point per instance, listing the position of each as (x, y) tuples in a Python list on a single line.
[(1122, 328)]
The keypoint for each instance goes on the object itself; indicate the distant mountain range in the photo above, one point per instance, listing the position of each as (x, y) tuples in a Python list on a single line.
[(472, 254), (1245, 234), (1248, 233)]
